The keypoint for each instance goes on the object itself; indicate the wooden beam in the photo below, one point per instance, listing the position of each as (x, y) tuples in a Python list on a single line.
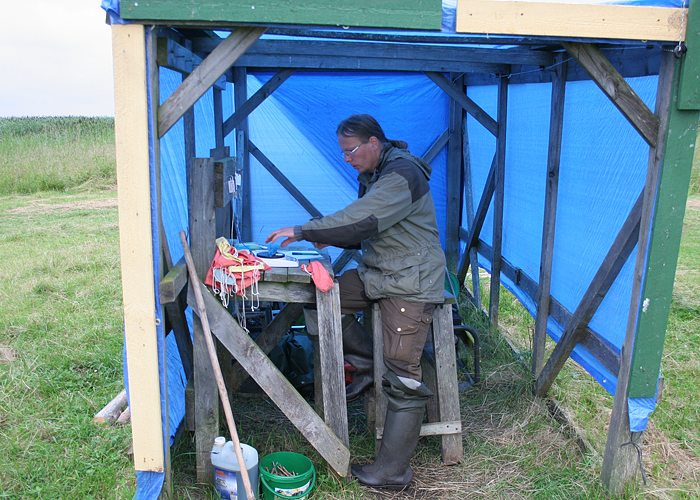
[(498, 200), (453, 202), (470, 106), (437, 146), (276, 385), (469, 201), (620, 462), (240, 96), (202, 234), (626, 22), (135, 237), (344, 258), (616, 88), (616, 257), (408, 14), (263, 93), (173, 282), (474, 230), (335, 409), (556, 125), (204, 76), (282, 179), (324, 52)]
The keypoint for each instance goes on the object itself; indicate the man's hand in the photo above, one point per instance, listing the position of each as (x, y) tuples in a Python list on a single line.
[(285, 232)]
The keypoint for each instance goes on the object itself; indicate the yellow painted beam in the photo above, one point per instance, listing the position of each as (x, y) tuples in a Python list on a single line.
[(626, 22), (131, 134)]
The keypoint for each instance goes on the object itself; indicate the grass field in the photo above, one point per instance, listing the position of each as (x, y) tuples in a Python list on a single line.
[(61, 361)]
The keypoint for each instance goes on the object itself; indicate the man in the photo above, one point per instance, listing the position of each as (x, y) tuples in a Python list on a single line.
[(393, 222)]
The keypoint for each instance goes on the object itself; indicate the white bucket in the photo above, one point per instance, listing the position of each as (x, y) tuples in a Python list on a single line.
[(227, 473)]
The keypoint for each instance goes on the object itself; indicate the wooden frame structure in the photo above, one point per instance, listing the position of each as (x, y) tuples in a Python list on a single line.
[(182, 39)]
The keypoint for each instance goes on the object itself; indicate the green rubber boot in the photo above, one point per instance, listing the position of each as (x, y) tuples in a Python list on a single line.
[(404, 416)]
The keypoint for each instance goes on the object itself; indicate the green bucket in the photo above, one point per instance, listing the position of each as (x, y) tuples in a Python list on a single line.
[(294, 487)]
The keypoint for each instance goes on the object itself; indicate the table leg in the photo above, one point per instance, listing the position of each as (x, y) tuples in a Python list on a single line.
[(331, 361)]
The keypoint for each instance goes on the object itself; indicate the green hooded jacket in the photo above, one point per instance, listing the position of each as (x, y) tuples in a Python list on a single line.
[(393, 222)]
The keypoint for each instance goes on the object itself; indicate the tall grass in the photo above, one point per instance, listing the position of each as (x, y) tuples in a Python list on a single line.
[(56, 154)]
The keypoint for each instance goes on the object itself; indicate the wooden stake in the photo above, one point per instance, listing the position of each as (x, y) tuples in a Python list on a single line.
[(202, 313), (108, 415)]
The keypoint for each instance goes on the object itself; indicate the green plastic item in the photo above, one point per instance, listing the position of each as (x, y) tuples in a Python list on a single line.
[(290, 487)]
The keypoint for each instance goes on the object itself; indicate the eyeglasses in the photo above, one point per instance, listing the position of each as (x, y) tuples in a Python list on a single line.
[(352, 152)]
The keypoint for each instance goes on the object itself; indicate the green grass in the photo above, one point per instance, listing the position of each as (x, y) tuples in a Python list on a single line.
[(61, 361), (56, 154)]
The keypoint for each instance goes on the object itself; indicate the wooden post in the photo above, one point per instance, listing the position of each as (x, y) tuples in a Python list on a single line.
[(469, 201), (453, 205), (135, 237), (670, 164), (335, 409), (556, 122), (202, 236), (240, 92), (499, 196)]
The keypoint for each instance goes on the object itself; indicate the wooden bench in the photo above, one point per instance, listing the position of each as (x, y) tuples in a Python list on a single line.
[(439, 374)]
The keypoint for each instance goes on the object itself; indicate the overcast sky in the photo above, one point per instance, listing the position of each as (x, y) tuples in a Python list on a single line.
[(56, 59)]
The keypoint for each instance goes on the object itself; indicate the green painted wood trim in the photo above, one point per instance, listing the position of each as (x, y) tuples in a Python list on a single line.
[(689, 97), (406, 14), (664, 244)]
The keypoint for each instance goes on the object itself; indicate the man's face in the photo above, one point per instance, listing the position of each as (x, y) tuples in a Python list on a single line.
[(363, 156)]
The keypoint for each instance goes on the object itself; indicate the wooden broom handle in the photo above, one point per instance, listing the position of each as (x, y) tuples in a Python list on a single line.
[(202, 313)]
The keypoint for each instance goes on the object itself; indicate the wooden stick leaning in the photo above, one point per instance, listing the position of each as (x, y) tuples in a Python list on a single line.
[(202, 312)]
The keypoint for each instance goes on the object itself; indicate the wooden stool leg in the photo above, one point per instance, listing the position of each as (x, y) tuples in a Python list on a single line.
[(446, 371), (379, 370)]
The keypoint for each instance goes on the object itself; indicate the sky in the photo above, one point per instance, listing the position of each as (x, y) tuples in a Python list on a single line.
[(56, 59)]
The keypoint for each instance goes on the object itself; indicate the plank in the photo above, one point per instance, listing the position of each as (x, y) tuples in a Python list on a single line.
[(453, 193), (268, 339), (286, 292), (240, 96), (296, 275), (605, 276), (276, 274), (322, 50), (204, 76), (408, 14), (556, 125), (263, 93), (689, 85), (282, 179), (202, 234), (473, 235), (434, 429), (173, 282), (460, 97), (604, 74), (498, 200), (437, 146), (218, 120), (619, 462), (275, 385), (627, 22), (379, 371), (469, 201), (332, 363), (446, 370), (132, 153)]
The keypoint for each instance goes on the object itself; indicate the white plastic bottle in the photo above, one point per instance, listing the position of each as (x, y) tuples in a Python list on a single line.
[(227, 473)]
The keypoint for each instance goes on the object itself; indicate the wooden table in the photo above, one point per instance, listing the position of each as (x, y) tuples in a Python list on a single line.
[(294, 287)]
